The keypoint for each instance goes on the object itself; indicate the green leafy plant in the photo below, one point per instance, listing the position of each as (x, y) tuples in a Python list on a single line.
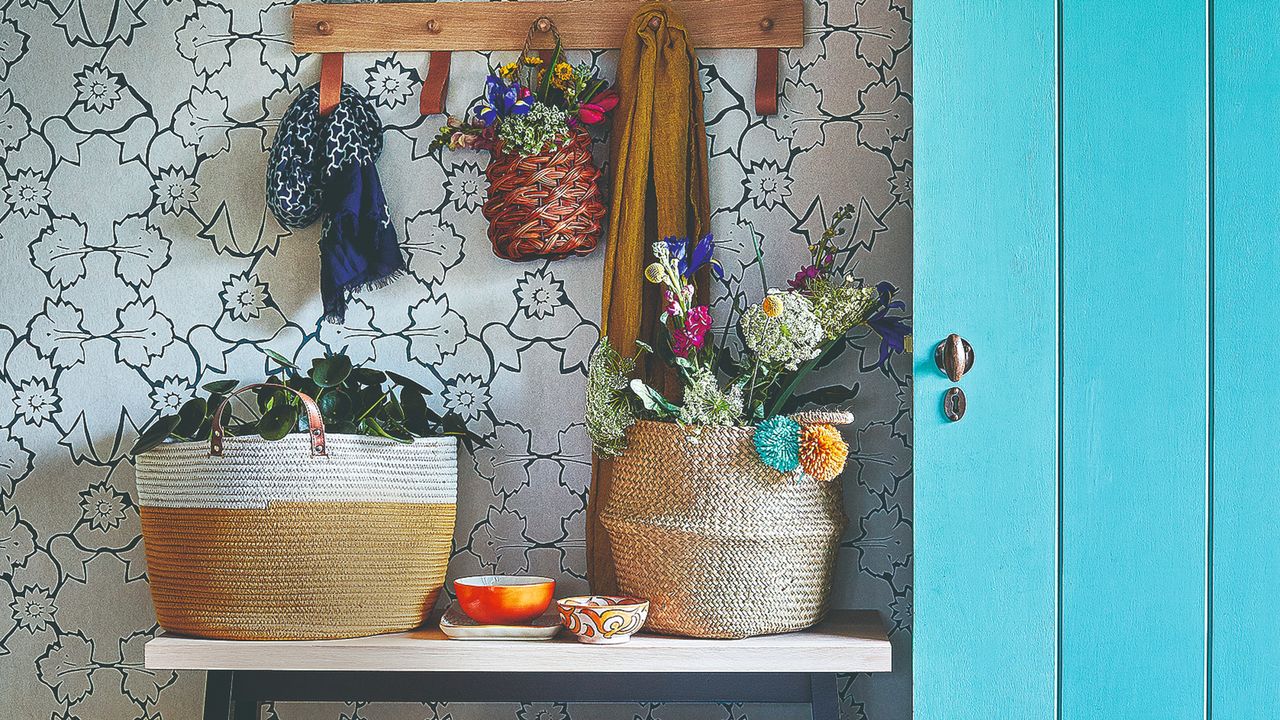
[(354, 400)]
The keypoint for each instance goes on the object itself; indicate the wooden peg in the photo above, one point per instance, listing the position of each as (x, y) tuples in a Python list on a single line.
[(433, 26), (654, 23), (543, 25), (766, 81), (766, 24), (324, 28)]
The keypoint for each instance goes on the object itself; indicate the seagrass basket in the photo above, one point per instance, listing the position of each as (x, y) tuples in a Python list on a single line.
[(546, 205), (722, 545), (307, 537)]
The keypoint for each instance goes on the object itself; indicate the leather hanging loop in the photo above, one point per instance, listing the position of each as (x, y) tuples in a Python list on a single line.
[(436, 86), (766, 81), (330, 82)]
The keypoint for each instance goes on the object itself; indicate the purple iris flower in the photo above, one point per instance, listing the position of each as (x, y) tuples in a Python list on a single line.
[(893, 329), (691, 256), (500, 100)]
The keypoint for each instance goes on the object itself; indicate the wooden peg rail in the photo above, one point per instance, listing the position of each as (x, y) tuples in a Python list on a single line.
[(442, 27)]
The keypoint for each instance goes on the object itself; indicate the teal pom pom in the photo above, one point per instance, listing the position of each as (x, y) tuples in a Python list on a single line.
[(777, 442)]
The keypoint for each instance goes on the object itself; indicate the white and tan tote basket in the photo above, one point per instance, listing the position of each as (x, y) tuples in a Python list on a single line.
[(311, 536)]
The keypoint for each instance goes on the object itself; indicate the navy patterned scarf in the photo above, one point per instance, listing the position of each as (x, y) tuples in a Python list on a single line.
[(326, 166)]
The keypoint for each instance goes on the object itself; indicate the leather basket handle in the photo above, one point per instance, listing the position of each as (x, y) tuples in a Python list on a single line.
[(315, 421)]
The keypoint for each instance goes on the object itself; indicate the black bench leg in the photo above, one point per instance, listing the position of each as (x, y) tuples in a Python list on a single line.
[(217, 695), (824, 696)]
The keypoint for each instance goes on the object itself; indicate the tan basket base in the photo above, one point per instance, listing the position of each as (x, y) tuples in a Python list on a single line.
[(296, 571)]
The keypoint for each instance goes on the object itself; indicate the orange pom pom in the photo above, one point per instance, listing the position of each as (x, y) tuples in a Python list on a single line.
[(822, 452)]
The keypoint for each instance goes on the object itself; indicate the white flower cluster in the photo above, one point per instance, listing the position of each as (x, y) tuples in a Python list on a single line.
[(706, 404), (783, 338)]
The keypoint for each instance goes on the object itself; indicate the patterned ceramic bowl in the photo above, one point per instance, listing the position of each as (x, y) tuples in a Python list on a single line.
[(603, 619)]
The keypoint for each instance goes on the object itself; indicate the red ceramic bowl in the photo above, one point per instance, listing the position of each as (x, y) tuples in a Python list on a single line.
[(504, 599)]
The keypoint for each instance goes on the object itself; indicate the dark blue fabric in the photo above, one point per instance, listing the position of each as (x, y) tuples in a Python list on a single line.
[(322, 165), (358, 247)]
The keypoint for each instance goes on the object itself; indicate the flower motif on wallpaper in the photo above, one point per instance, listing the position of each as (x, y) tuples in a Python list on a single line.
[(434, 331), (15, 461), (356, 335), (13, 45), (33, 609), (58, 333), (539, 293), (882, 30), (205, 39), (175, 189), (543, 711), (768, 185), (17, 540), (467, 395), (97, 88), (103, 507), (795, 121), (60, 251), (884, 117), (433, 246), (99, 23), (903, 184), (27, 192), (36, 401), (464, 186), (499, 542), (244, 296), (15, 124), (390, 83), (66, 668), (202, 123), (143, 333), (171, 394), (505, 462), (140, 250)]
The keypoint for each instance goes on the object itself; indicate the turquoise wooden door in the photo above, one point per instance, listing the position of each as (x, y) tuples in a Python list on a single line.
[(1097, 213)]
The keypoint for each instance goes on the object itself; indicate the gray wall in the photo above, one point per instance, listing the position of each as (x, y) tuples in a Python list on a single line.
[(139, 262)]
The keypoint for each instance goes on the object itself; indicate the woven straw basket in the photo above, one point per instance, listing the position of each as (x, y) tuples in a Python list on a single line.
[(307, 537), (546, 205), (722, 545)]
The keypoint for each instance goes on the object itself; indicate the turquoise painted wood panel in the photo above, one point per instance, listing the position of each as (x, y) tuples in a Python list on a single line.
[(1134, 327), (985, 267), (1246, 335)]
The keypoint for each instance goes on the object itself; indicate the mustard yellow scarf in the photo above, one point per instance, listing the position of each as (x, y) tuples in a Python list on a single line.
[(659, 156)]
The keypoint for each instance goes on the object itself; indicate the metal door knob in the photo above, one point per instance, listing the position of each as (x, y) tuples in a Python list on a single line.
[(954, 357)]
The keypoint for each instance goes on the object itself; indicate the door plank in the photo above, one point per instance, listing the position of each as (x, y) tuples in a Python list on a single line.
[(1134, 427), (1246, 332), (986, 268)]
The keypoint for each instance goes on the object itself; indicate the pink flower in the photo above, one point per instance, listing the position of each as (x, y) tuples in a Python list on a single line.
[(670, 305), (592, 113), (803, 278), (461, 140), (693, 334)]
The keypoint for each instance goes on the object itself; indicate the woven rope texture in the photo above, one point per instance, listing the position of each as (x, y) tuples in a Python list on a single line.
[(270, 543), (546, 205), (720, 544)]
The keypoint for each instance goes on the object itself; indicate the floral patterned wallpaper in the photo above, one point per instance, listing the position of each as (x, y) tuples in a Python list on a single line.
[(140, 262)]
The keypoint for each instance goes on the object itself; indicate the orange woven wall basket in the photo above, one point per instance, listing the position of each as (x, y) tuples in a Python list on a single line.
[(546, 205)]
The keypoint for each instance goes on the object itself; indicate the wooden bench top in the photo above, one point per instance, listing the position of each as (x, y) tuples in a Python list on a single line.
[(848, 641)]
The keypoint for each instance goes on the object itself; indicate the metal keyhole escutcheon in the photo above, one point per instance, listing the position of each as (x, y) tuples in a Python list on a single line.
[(954, 356), (953, 404)]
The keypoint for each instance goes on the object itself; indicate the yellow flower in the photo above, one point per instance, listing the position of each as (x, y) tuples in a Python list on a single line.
[(508, 71), (562, 75), (772, 306), (655, 273), (532, 60)]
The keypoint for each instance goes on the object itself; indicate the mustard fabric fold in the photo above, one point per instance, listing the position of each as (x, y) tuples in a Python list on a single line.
[(659, 158)]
